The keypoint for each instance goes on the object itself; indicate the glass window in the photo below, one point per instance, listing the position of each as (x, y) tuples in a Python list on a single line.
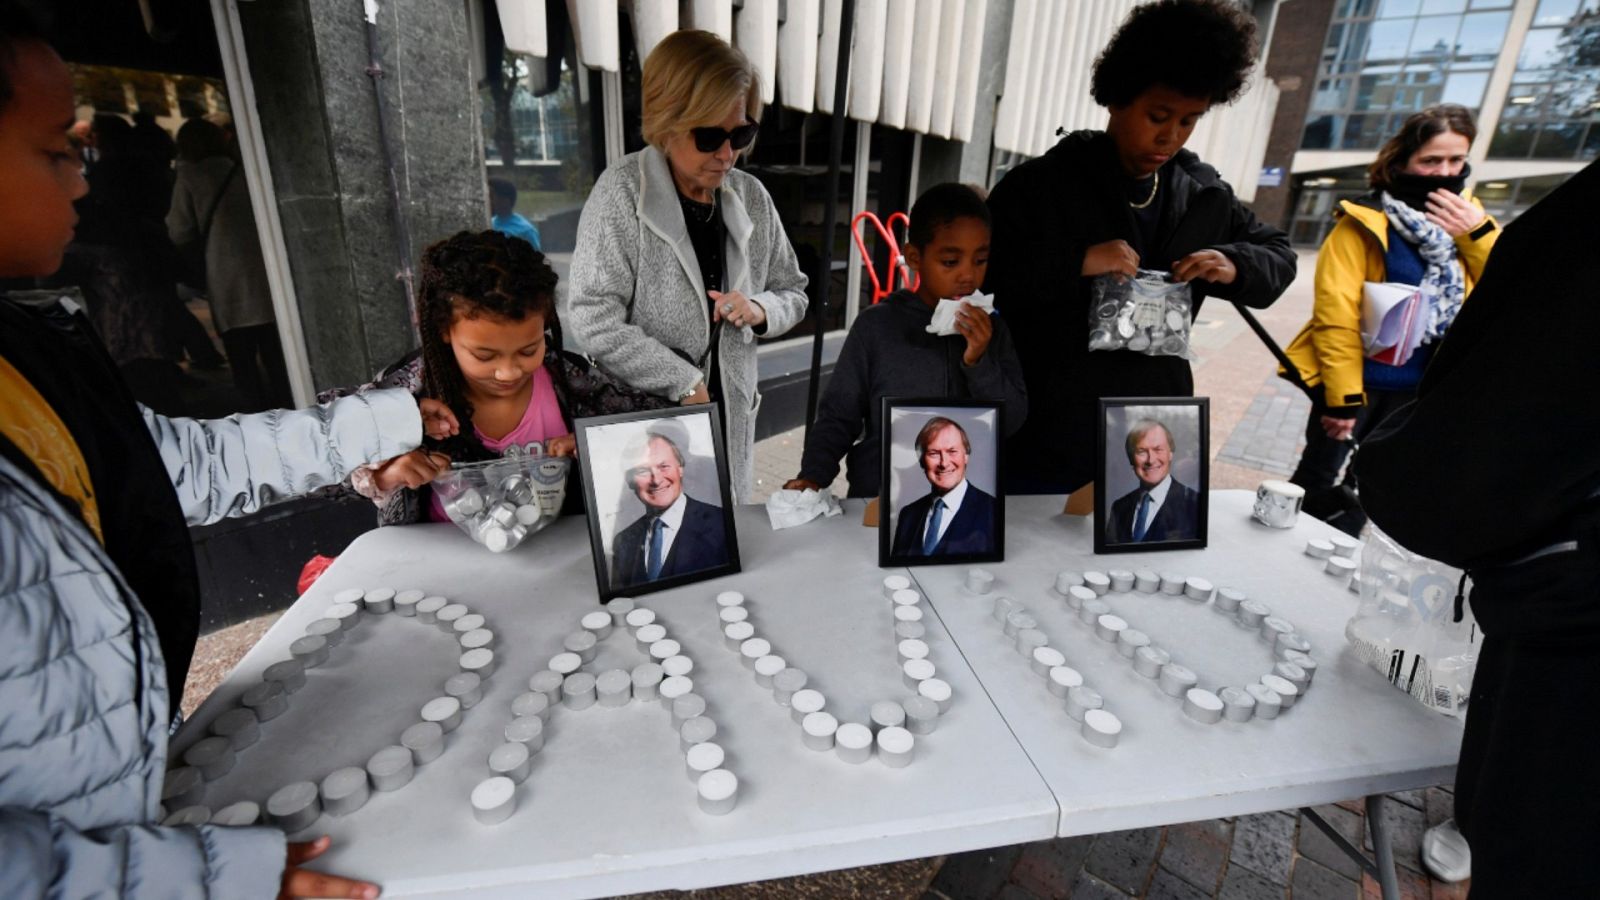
[(1540, 49), (1388, 39), (1558, 140), (1591, 144), (1482, 35), (1489, 4), (1465, 88), (1332, 93), (1435, 37), (1319, 133), (1390, 9), (1555, 12), (1432, 7), (1512, 140)]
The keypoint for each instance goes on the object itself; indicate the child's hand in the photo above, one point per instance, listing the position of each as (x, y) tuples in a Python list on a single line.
[(298, 882), (801, 484), (974, 325), (1112, 256), (412, 470), (565, 445), (1206, 265), (438, 421)]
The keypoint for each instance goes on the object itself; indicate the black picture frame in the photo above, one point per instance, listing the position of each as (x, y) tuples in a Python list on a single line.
[(618, 514), (982, 539), (1117, 485)]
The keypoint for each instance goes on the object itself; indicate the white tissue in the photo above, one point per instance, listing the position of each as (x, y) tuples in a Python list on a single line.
[(944, 315), (786, 509)]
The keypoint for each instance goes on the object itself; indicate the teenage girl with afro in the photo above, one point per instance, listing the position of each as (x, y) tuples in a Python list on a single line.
[(1118, 200)]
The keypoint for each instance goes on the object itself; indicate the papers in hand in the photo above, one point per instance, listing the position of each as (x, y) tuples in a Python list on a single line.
[(944, 315), (1392, 321)]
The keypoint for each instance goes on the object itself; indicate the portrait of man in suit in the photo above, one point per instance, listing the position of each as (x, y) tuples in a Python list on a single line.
[(1160, 508), (677, 534), (955, 517)]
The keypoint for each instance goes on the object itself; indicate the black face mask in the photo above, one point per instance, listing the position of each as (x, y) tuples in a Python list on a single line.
[(1413, 190)]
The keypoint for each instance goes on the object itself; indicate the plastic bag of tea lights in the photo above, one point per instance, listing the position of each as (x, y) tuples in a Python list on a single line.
[(501, 502)]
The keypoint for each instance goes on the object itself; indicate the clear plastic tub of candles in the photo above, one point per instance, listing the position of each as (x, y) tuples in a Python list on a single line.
[(502, 502)]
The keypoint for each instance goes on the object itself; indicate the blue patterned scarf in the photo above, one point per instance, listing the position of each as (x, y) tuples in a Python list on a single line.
[(1443, 287)]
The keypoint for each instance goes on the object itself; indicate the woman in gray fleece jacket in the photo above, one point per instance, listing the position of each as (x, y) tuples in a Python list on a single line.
[(681, 262)]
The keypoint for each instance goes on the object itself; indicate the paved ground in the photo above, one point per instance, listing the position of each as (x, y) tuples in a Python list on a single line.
[(1256, 422)]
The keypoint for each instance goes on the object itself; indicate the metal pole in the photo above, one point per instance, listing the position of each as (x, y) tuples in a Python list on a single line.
[(830, 216), (402, 228)]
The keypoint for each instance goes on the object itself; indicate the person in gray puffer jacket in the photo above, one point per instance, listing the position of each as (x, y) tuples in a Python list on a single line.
[(681, 261)]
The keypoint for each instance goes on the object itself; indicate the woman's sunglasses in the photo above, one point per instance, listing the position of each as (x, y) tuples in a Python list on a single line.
[(710, 138)]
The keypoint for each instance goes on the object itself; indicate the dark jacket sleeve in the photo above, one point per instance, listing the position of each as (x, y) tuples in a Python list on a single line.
[(1262, 254), (1034, 265), (998, 375), (1498, 448), (842, 412)]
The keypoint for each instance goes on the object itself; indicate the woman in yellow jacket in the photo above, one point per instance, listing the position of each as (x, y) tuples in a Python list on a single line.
[(1414, 227)]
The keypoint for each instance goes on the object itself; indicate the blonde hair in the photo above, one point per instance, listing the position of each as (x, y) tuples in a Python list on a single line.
[(689, 81)]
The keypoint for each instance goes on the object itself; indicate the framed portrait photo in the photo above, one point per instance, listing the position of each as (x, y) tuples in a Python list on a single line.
[(940, 499), (660, 505), (1152, 474)]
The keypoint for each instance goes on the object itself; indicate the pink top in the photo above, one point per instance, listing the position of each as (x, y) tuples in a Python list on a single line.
[(541, 421)]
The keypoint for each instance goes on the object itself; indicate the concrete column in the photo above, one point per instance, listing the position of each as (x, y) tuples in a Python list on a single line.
[(1494, 96), (308, 61), (1298, 31)]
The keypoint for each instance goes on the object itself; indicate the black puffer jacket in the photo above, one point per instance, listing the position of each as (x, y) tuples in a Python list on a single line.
[(1047, 213)]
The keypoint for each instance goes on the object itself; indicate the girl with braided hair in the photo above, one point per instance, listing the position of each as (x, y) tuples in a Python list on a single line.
[(491, 351)]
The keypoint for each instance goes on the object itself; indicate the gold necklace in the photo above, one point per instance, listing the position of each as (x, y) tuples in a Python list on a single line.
[(1156, 186)]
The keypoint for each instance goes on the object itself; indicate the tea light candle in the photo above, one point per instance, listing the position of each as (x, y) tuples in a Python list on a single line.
[(696, 730), (1292, 674), (1228, 599), (786, 683), (428, 609), (290, 675), (532, 703), (390, 769), (649, 634), (853, 743), (548, 683), (1268, 702), (980, 581), (597, 623), (578, 691), (1237, 704), (329, 630), (922, 715), (1129, 640), (912, 649), (1121, 580), (1175, 679), (1283, 687), (718, 792), (677, 665), (1317, 548), (1108, 627), (466, 687), (1252, 613), (1004, 606), (565, 664), (904, 630), (614, 688), (1149, 661), (1091, 611), (1101, 728), (937, 690), (1171, 583), (1099, 582), (908, 614), (1079, 595), (477, 637), (1304, 660), (511, 760), (1202, 706), (241, 728), (1063, 679), (1340, 567), (893, 583), (405, 603), (379, 600), (444, 712), (480, 662), (665, 649), (1290, 643), (885, 713), (646, 679), (425, 741), (1066, 581), (1344, 546), (1081, 699), (674, 687), (702, 758), (1045, 659), (1028, 640), (641, 617), (767, 668), (1019, 621), (1146, 581), (448, 614), (213, 756), (687, 707), (804, 702), (526, 730), (737, 633), (311, 651), (619, 607), (267, 699), (752, 650), (817, 730), (348, 615), (1272, 627), (185, 786), (237, 815), (731, 614), (294, 806), (344, 791), (1197, 588), (349, 595), (494, 800), (896, 747), (906, 597), (730, 598)]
